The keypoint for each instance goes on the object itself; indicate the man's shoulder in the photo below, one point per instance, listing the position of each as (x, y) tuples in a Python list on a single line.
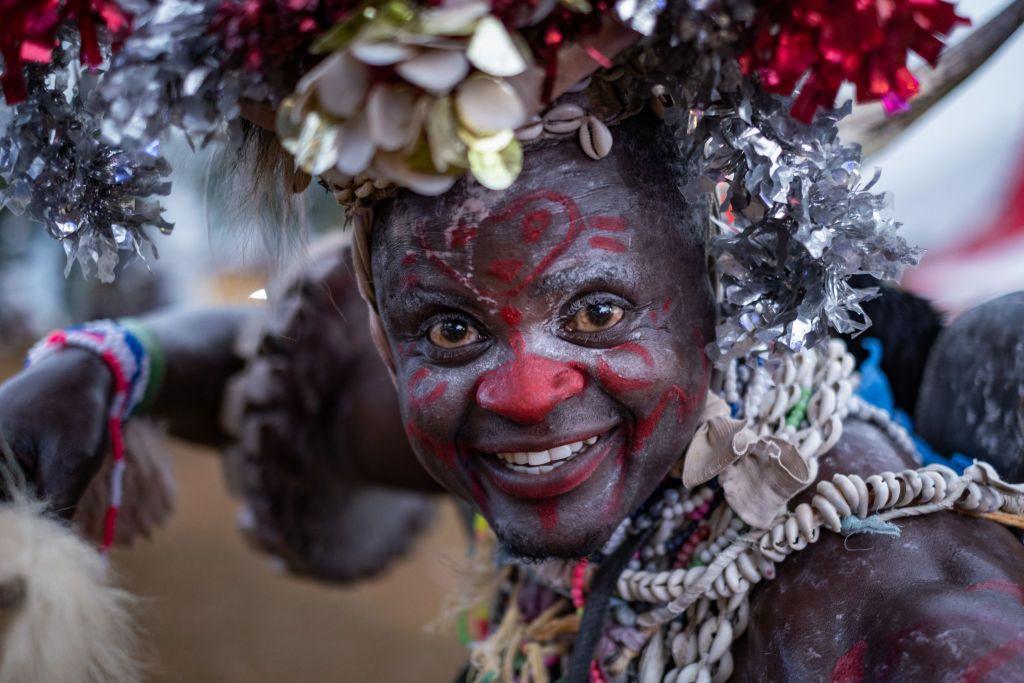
[(871, 588), (929, 550)]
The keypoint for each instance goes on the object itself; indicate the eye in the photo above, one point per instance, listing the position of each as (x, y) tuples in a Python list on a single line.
[(595, 317), (452, 333)]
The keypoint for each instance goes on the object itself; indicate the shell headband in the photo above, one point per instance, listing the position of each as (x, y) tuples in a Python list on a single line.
[(373, 95)]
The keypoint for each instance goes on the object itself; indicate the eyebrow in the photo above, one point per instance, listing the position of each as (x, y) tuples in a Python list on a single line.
[(418, 296), (574, 277)]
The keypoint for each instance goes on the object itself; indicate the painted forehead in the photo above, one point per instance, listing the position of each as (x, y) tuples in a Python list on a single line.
[(505, 245)]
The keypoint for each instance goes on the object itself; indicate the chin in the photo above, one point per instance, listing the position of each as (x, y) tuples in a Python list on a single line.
[(568, 544)]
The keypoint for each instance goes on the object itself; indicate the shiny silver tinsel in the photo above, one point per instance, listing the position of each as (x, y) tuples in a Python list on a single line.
[(88, 164), (798, 220), (92, 197), (169, 73)]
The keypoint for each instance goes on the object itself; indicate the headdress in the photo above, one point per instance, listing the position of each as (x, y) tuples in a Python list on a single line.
[(371, 95)]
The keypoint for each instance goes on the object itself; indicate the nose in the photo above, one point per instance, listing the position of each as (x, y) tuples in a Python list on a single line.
[(526, 389)]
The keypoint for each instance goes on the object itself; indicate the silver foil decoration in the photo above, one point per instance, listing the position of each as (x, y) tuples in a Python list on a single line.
[(169, 73), (94, 198), (798, 219), (640, 15)]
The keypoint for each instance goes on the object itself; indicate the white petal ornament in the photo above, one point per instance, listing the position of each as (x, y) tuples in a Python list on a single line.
[(382, 54), (493, 51), (341, 84), (316, 149), (395, 167), (487, 105), (446, 147), (453, 20), (355, 145), (390, 109), (437, 71), (497, 170)]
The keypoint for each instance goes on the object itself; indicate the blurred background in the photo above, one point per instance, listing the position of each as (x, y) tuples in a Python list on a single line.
[(213, 610)]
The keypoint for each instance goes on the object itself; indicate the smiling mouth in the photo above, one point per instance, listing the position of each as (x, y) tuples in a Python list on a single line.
[(551, 472), (542, 462)]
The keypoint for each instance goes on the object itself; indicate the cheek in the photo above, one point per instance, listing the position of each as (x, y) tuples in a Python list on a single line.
[(626, 369), (658, 380), (430, 423)]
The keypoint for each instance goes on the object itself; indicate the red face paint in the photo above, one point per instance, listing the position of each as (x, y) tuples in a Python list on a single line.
[(418, 402), (460, 236), (409, 280), (608, 223), (428, 399), (532, 222), (608, 244), (505, 269), (994, 659), (616, 383), (418, 377), (646, 427), (639, 350), (1014, 590), (547, 512), (511, 315), (445, 452), (850, 667), (687, 403), (528, 387), (535, 224)]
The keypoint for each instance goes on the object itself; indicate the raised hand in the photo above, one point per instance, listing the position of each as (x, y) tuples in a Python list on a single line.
[(53, 418)]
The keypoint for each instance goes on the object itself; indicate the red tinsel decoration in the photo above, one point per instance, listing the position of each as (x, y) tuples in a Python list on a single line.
[(274, 36), (832, 41), (28, 33)]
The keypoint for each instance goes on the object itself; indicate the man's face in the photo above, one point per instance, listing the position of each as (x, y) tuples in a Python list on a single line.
[(549, 343)]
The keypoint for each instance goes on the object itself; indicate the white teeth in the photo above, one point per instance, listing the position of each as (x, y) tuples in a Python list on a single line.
[(560, 452), (541, 458), (542, 462)]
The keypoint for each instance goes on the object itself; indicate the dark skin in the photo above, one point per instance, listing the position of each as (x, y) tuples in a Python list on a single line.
[(538, 318), (53, 414), (943, 600)]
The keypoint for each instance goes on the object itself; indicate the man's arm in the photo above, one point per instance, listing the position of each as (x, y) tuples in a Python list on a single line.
[(943, 601), (53, 414), (199, 349)]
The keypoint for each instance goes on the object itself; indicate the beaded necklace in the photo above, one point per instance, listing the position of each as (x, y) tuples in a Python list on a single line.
[(683, 599)]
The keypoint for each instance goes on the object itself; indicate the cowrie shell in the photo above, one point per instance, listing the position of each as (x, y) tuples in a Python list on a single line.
[(595, 138), (563, 119)]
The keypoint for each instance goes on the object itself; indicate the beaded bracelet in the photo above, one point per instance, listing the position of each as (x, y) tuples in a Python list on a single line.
[(130, 363)]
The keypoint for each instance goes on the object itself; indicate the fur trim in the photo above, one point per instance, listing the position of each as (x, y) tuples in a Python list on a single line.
[(61, 618)]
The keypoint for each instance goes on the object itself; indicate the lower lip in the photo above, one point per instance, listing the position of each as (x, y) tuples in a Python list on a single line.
[(556, 482)]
